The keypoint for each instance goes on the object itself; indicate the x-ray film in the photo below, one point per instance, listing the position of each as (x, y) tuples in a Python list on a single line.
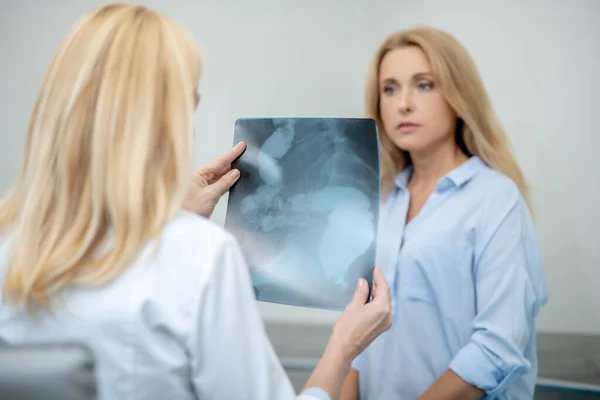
[(306, 207)]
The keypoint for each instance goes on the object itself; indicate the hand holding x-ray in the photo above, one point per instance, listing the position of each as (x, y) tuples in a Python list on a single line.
[(211, 181)]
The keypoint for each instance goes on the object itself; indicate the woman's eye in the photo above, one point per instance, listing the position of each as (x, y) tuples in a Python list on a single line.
[(389, 90), (425, 86)]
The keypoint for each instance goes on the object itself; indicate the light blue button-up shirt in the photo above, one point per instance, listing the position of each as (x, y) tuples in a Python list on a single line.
[(467, 283)]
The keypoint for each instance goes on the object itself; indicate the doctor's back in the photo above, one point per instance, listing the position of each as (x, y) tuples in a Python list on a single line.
[(94, 245), (170, 327)]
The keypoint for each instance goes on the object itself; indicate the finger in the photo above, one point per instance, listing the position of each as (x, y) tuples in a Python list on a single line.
[(361, 293), (209, 174), (222, 185), (223, 163), (381, 287)]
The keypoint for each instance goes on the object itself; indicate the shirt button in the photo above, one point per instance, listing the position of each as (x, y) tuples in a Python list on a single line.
[(444, 184)]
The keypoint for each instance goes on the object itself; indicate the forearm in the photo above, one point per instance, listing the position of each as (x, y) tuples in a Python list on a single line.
[(451, 387), (350, 388), (331, 371)]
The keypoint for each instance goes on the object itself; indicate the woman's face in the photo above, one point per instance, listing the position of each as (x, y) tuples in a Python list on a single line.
[(415, 115)]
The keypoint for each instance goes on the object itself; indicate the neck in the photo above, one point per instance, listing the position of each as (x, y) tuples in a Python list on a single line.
[(431, 165)]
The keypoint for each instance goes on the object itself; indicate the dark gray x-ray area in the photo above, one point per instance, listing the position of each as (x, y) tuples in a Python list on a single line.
[(306, 207)]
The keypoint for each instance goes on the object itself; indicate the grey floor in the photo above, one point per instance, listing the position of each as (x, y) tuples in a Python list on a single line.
[(569, 364)]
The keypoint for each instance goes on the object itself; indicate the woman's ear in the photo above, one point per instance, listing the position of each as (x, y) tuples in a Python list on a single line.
[(196, 99)]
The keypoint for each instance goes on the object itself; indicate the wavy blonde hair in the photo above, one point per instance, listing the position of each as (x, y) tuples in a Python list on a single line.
[(108, 154), (457, 77)]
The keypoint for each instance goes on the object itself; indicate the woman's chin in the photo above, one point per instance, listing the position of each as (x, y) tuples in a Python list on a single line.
[(409, 144)]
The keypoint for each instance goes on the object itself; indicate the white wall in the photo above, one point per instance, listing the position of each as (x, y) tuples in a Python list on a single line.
[(539, 59)]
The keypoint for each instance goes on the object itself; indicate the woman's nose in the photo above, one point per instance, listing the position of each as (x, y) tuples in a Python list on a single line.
[(405, 103)]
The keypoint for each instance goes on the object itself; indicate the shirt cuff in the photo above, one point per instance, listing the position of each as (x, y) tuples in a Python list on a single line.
[(356, 363), (475, 367), (314, 393)]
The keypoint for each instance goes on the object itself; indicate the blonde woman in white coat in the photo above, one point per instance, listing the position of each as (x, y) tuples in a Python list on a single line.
[(102, 241)]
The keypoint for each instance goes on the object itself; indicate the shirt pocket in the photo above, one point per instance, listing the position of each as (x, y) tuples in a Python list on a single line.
[(436, 267)]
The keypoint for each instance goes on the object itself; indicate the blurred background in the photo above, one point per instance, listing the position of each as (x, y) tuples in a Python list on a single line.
[(540, 61)]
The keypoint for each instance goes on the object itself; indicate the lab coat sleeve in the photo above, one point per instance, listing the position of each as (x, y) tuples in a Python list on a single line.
[(231, 355), (507, 304)]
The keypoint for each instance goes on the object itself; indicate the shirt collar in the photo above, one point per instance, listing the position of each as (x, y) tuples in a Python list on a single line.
[(457, 177)]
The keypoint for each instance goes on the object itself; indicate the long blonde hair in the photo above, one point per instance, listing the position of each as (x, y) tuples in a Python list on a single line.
[(461, 85), (108, 154)]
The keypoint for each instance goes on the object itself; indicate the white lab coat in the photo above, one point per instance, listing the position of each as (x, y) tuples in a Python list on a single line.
[(180, 323)]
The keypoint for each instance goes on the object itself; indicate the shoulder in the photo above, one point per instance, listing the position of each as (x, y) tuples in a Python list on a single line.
[(495, 185), (193, 258), (187, 230), (188, 234), (496, 199), (495, 196), (501, 211), (192, 248)]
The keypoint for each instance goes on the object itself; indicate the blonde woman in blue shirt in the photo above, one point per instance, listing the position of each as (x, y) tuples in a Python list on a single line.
[(457, 242), (101, 241)]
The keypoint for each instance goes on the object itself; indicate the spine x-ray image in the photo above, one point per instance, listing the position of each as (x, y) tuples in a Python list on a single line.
[(306, 206)]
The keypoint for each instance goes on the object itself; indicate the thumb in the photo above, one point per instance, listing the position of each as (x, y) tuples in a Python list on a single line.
[(361, 293), (221, 186)]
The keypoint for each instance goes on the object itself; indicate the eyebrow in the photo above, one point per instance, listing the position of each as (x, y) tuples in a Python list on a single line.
[(418, 75), (423, 75)]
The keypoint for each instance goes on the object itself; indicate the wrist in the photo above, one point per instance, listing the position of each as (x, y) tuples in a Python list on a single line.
[(341, 352), (189, 205), (331, 371)]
